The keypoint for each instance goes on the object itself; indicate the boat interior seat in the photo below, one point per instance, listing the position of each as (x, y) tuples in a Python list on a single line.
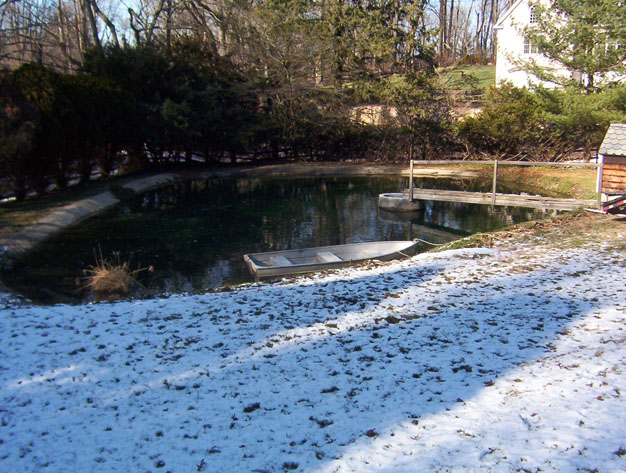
[(328, 257), (280, 261)]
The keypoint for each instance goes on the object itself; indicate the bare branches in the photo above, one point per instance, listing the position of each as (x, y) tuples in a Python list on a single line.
[(59, 32), (55, 33), (109, 24)]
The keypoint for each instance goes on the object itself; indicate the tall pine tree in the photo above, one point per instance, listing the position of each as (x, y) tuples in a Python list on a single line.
[(586, 37)]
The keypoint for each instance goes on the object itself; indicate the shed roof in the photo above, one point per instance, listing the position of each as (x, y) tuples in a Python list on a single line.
[(615, 140)]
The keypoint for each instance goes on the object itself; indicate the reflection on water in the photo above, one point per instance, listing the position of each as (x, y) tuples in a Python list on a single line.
[(195, 233)]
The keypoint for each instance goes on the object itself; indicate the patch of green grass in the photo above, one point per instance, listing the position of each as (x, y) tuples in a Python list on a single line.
[(574, 183), (553, 182), (581, 185), (477, 240), (466, 78)]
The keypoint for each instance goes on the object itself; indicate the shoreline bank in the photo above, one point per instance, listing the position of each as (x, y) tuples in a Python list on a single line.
[(20, 243)]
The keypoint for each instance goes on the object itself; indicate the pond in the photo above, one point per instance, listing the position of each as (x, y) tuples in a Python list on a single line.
[(194, 233)]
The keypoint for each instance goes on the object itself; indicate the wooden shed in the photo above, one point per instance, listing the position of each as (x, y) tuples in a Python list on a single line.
[(612, 160)]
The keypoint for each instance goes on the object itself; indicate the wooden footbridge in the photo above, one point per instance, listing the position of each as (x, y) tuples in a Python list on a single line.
[(494, 198), (511, 200)]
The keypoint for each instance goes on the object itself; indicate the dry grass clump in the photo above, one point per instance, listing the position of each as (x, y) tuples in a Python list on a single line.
[(111, 279)]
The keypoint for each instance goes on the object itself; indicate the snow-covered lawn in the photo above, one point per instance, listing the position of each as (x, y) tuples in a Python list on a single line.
[(504, 359)]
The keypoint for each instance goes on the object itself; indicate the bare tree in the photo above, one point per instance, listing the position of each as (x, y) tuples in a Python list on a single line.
[(54, 33), (486, 17), (464, 27), (164, 20), (443, 30), (93, 11)]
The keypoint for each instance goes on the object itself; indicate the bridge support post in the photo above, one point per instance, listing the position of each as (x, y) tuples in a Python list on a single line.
[(495, 182)]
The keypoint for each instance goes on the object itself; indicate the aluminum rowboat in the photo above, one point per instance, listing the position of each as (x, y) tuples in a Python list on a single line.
[(280, 263)]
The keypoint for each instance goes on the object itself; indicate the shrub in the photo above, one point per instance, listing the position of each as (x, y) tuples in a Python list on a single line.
[(509, 119), (19, 121), (582, 119), (543, 125)]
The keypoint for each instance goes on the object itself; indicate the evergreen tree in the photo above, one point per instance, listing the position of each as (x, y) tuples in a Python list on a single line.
[(19, 121), (586, 37)]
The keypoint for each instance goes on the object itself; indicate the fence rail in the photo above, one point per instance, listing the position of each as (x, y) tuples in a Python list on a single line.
[(493, 197), (432, 162)]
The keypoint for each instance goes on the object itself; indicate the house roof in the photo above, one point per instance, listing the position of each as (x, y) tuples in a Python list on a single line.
[(615, 140), (506, 13)]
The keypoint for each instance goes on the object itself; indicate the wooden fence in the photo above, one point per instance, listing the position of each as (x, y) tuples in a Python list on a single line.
[(500, 199)]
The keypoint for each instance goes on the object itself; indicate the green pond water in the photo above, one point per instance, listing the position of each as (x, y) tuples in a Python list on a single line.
[(194, 234)]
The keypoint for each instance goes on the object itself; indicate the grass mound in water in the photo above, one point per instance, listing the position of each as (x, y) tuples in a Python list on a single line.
[(111, 279)]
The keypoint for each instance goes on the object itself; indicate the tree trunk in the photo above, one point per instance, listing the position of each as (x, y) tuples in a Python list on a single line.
[(87, 4), (452, 45), (63, 37), (109, 24), (443, 10)]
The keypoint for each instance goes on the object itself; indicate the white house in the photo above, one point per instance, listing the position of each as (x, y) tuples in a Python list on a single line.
[(512, 48)]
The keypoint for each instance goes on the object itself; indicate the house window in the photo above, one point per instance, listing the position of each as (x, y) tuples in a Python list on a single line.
[(534, 15), (530, 48)]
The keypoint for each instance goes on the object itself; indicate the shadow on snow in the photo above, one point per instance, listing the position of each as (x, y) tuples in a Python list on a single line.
[(306, 371)]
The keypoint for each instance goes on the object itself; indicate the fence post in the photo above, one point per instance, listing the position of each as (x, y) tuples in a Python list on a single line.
[(599, 179), (495, 182), (411, 180)]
